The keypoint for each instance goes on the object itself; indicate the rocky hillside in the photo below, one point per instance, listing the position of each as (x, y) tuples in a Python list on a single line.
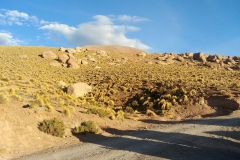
[(114, 86)]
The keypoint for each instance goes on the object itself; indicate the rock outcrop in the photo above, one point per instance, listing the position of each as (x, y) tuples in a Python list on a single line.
[(199, 57)]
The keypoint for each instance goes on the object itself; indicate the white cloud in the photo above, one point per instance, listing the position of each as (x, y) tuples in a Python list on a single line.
[(15, 15), (101, 31), (10, 17), (7, 39), (43, 22), (127, 18)]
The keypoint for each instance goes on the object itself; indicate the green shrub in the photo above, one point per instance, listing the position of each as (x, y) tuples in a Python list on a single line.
[(54, 126), (86, 127)]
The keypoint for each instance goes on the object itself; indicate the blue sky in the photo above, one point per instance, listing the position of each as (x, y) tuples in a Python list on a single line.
[(210, 26)]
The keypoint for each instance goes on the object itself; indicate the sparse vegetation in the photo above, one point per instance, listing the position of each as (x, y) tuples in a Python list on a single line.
[(54, 127), (3, 98), (130, 89), (86, 127)]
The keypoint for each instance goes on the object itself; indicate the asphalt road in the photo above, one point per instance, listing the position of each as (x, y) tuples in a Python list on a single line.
[(212, 138)]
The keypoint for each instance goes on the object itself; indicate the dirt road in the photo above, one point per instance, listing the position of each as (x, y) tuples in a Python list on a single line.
[(211, 138)]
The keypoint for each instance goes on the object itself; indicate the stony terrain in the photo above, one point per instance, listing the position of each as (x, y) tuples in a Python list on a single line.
[(116, 87)]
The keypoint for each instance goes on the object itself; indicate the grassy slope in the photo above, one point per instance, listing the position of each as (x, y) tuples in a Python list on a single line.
[(32, 80)]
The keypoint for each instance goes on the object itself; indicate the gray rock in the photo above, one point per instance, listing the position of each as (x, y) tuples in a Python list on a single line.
[(199, 57)]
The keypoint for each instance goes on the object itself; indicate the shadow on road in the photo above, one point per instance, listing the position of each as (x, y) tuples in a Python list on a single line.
[(170, 145), (217, 122)]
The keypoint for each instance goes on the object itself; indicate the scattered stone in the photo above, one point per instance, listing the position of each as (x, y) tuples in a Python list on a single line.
[(84, 62), (161, 62), (71, 50), (97, 67), (62, 84), (229, 69), (201, 101), (112, 117), (102, 53), (90, 58), (188, 55), (49, 55), (142, 54), (79, 89), (169, 60), (179, 58), (149, 62)]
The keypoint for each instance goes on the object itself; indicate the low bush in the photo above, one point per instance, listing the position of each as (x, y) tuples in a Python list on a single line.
[(3, 99), (102, 112), (86, 127), (54, 126)]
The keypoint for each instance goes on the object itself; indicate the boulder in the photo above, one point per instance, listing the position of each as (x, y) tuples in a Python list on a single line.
[(70, 55), (199, 57), (161, 58), (230, 61), (62, 49), (78, 49), (142, 54), (49, 54), (79, 89), (212, 58), (102, 53), (72, 63), (188, 55), (219, 57), (179, 58), (63, 58), (84, 62), (169, 60), (71, 50), (90, 58), (236, 58)]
